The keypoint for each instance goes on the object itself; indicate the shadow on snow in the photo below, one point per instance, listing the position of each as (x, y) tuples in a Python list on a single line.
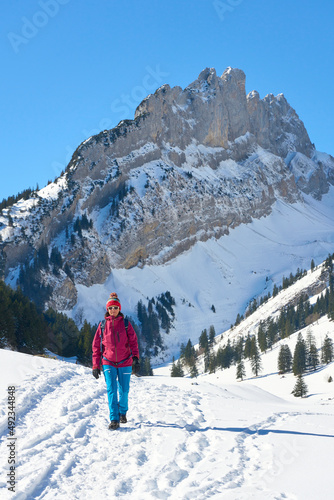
[(245, 430)]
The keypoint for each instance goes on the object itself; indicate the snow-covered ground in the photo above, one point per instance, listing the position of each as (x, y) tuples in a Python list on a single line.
[(209, 437)]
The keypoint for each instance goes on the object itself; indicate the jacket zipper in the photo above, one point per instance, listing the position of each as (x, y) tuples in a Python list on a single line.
[(113, 329)]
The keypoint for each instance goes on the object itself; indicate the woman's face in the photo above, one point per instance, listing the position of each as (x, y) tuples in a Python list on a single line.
[(113, 311)]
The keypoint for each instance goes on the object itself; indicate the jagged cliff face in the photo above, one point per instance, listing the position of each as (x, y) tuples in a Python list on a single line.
[(215, 111), (192, 165)]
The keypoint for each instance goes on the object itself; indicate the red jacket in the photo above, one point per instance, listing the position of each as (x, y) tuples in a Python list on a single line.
[(118, 346)]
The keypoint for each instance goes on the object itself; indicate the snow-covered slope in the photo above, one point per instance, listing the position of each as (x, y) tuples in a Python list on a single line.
[(185, 439)]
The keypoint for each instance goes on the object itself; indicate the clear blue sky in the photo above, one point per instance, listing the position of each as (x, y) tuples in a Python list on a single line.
[(72, 68)]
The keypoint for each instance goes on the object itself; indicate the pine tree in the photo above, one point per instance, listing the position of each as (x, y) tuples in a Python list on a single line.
[(177, 370), (84, 346), (281, 361), (56, 258), (30, 326), (312, 359), (64, 335), (239, 348), (150, 329), (299, 356), (193, 371), (255, 357), (147, 368), (241, 371), (301, 313), (22, 326), (272, 332), (300, 389), (42, 260), (219, 357), (238, 319), (7, 318), (228, 355), (203, 340), (261, 337), (213, 364), (284, 359), (327, 351), (189, 353), (212, 334)]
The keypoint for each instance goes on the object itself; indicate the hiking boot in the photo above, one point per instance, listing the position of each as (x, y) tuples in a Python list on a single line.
[(122, 419), (114, 424)]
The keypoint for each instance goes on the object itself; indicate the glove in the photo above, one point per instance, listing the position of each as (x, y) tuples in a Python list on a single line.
[(135, 365), (96, 372)]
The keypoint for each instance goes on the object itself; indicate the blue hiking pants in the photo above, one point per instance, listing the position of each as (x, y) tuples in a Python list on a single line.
[(117, 379)]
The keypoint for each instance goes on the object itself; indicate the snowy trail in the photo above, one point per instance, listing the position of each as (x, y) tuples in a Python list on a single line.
[(183, 440)]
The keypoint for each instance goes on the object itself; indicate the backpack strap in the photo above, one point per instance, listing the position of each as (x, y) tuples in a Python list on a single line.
[(103, 325), (126, 323)]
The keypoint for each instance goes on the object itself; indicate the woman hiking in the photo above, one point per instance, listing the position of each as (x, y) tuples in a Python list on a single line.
[(115, 347)]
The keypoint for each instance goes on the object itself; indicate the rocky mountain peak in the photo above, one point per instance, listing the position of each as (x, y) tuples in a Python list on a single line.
[(192, 165), (216, 110), (234, 76)]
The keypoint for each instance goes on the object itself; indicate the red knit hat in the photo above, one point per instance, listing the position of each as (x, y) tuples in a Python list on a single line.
[(113, 301)]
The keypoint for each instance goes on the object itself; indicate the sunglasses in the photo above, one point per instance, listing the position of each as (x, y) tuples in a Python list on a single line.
[(113, 307)]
